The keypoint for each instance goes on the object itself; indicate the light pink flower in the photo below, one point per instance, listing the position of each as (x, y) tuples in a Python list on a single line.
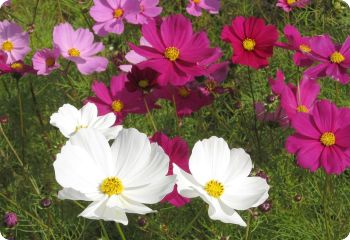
[(195, 7), (148, 9), (288, 5), (45, 61)]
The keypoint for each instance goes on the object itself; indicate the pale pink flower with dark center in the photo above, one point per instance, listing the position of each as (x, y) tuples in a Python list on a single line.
[(45, 61)]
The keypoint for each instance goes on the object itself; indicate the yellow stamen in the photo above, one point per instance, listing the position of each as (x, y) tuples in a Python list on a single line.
[(328, 139), (7, 46), (118, 13), (143, 83), (249, 44), (112, 186), (184, 92), (337, 57), (172, 53), (77, 128), (17, 66), (290, 2), (214, 188), (50, 62), (305, 48), (302, 108), (117, 106), (73, 52), (196, 1)]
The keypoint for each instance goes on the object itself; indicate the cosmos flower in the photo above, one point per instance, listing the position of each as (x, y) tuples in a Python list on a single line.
[(5, 3), (179, 153), (220, 176), (134, 58), (288, 5), (252, 41), (143, 80), (13, 41), (334, 60), (70, 120), (348, 237), (148, 10), (117, 179), (322, 138), (2, 238), (78, 46), (109, 15), (175, 50), (4, 68), (195, 7), (278, 116), (19, 68), (45, 61)]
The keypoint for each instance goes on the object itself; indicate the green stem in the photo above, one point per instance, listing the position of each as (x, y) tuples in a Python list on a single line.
[(326, 200), (248, 230), (36, 108), (189, 226), (150, 117), (120, 231), (104, 231)]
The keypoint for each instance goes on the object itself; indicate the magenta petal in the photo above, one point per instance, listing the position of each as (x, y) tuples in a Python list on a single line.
[(175, 199), (325, 116), (342, 137), (304, 125), (117, 84), (309, 156), (145, 51), (176, 30), (102, 92), (152, 35), (332, 160)]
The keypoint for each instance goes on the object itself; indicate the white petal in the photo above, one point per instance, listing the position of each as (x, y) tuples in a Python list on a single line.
[(246, 193), (88, 114), (111, 133), (99, 210), (104, 122), (66, 119), (186, 184), (209, 160), (71, 194), (218, 211), (2, 238), (348, 237), (240, 165), (128, 205)]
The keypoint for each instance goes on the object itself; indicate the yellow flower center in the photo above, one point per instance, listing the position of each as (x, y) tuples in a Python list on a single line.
[(172, 53), (77, 128), (17, 66), (328, 139), (112, 186), (302, 108), (214, 188), (117, 106), (50, 61), (143, 83), (7, 46), (73, 52), (249, 44), (184, 92), (196, 1), (118, 13), (337, 57), (305, 48), (290, 2)]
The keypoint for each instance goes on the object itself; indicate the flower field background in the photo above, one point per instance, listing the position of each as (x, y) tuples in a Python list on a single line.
[(300, 204)]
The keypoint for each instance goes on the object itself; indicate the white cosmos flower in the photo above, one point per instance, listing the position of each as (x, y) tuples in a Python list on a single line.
[(69, 120), (117, 179), (348, 237), (1, 237), (220, 178), (347, 2)]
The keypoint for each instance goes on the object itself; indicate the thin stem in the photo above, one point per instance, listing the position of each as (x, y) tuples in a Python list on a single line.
[(104, 231), (189, 226), (326, 201), (248, 229), (35, 11), (176, 116), (120, 231), (37, 111), (20, 105), (150, 115)]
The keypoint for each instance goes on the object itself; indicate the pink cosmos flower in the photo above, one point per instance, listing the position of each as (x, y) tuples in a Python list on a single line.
[(109, 15), (334, 60), (278, 116), (288, 5), (118, 99), (4, 68), (79, 47), (195, 7), (179, 153), (13, 41), (322, 139), (134, 58), (147, 10), (175, 50), (5, 3), (299, 44), (252, 41), (45, 61), (295, 99)]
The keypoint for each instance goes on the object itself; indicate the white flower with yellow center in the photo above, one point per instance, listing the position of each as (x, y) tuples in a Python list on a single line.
[(220, 178), (69, 120), (118, 179)]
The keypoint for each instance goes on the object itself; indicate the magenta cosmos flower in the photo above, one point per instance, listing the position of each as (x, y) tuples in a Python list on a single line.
[(299, 44), (79, 47), (179, 153), (175, 50), (295, 99), (13, 41), (118, 99), (252, 41), (148, 10), (195, 7), (4, 68), (45, 61), (277, 116), (334, 60), (110, 14), (288, 5), (322, 139)]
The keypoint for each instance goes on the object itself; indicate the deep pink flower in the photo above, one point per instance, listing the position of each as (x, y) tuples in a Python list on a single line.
[(45, 61), (252, 41), (278, 116), (295, 99), (299, 44), (118, 99), (195, 7), (147, 10), (175, 50), (143, 80), (334, 60), (79, 47), (322, 138), (18, 67), (13, 41), (179, 153), (109, 15), (4, 68), (134, 58), (288, 5)]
